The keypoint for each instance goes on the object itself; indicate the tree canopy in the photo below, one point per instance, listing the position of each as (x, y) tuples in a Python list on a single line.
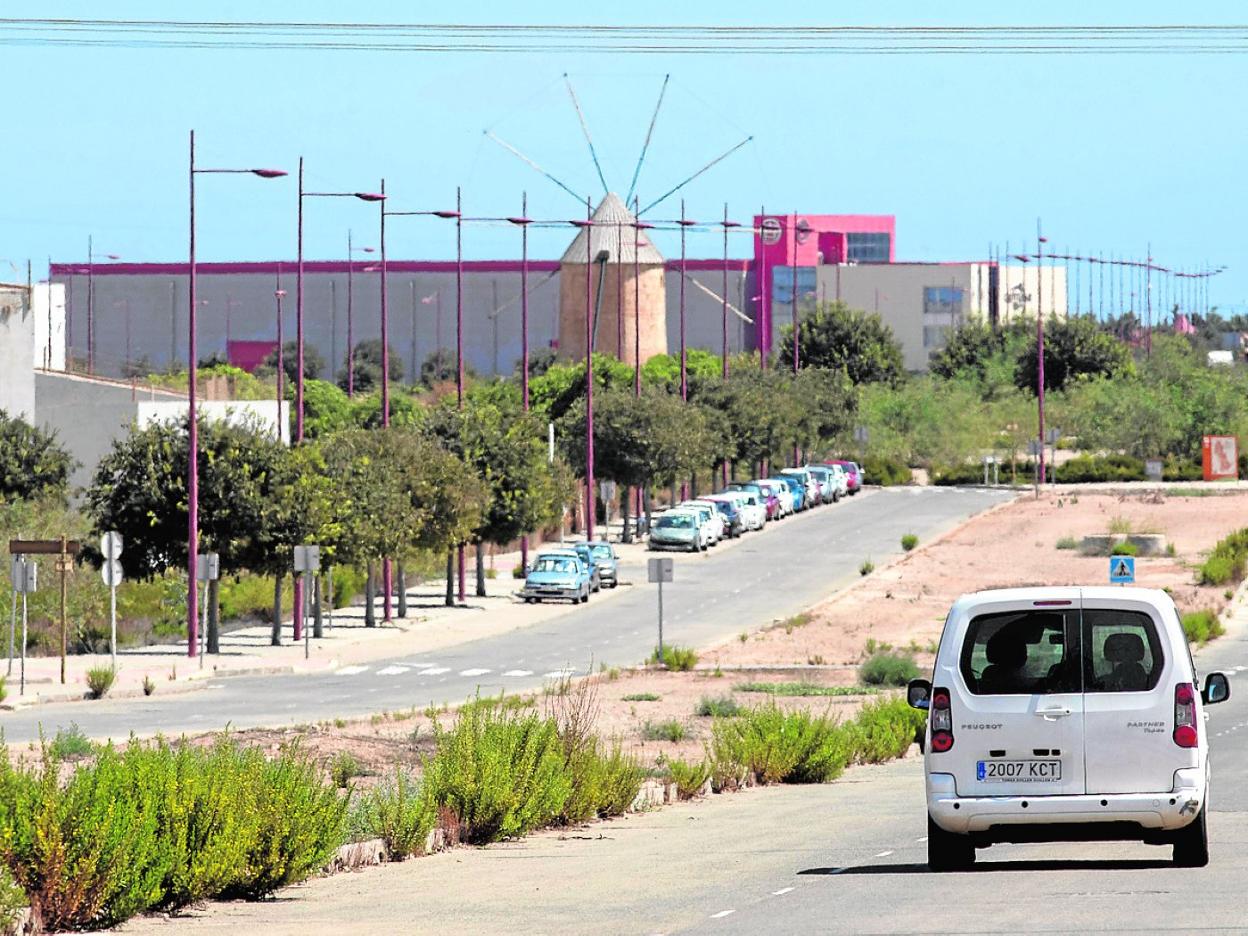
[(32, 463), (836, 337)]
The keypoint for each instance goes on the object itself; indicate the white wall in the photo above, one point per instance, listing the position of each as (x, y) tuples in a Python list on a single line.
[(260, 413), (17, 342), (49, 310)]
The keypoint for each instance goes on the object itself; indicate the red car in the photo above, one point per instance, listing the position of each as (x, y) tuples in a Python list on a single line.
[(854, 474), (770, 502)]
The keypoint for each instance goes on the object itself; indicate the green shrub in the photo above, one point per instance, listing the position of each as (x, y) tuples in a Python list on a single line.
[(12, 900), (1125, 548), (517, 571), (680, 659), (884, 730), (866, 567), (500, 774), (70, 743), (888, 668), (343, 768), (4, 692), (1202, 626), (886, 471), (775, 746), (149, 686), (670, 730), (617, 779), (397, 813), (1085, 469), (1226, 561), (722, 707), (99, 680), (641, 697), (1067, 542), (689, 777), (800, 689), (909, 541)]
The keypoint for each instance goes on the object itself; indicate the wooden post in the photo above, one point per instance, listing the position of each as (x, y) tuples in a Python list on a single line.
[(63, 567)]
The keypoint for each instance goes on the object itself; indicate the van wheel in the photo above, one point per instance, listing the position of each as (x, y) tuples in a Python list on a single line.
[(948, 851), (1191, 844)]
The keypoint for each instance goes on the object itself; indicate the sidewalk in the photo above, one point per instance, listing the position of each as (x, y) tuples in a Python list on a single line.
[(247, 651)]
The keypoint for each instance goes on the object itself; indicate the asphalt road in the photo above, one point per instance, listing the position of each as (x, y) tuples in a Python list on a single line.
[(767, 575), (845, 857)]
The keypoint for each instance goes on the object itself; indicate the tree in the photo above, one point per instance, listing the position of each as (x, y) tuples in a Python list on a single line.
[(326, 409), (967, 350), (540, 361), (1074, 349), (313, 363), (32, 463), (439, 367), (836, 337), (756, 411), (367, 357)]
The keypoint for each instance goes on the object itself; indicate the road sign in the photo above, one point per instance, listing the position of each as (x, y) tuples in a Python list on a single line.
[(770, 231), (110, 545), (1154, 469), (1052, 435), (660, 569), (208, 567), (1034, 447), (110, 572), (307, 558), (1121, 570), (861, 434), (51, 547), (17, 571)]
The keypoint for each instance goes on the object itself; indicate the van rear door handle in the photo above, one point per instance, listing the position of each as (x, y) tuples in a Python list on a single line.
[(1050, 714)]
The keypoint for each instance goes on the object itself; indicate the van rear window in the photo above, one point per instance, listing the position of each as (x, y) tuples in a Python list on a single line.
[(1122, 652), (1021, 652)]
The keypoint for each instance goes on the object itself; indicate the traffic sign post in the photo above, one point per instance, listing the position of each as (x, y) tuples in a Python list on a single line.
[(1121, 570), (64, 549), (659, 570), (307, 564), (110, 571), (207, 570)]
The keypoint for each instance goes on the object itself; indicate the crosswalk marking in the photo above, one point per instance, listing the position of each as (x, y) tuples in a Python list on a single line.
[(436, 671), (351, 671), (518, 672), (473, 672), (392, 671)]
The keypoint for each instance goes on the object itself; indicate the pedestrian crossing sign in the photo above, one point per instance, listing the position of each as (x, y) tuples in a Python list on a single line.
[(1121, 570)]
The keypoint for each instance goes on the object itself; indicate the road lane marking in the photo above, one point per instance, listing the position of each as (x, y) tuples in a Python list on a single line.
[(473, 672), (392, 671), (884, 854), (351, 671), (518, 672), (436, 671), (781, 891), (721, 914)]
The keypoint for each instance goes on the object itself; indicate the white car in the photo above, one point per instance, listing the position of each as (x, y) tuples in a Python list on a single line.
[(782, 492), (753, 511), (713, 519), (808, 482), (841, 478), (1065, 714)]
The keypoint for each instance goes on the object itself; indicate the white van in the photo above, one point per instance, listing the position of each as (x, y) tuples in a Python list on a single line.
[(1065, 714)]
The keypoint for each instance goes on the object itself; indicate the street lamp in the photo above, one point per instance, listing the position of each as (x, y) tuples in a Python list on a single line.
[(351, 252), (91, 302), (362, 196), (638, 227), (590, 503), (523, 221), (192, 466)]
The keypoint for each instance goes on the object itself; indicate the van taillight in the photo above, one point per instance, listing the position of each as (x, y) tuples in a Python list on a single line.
[(1185, 734), (940, 715)]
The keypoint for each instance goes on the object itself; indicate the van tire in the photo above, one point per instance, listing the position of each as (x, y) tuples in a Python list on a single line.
[(1191, 844), (948, 851)]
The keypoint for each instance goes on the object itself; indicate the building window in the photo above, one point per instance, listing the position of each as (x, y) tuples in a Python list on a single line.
[(935, 336), (867, 248), (943, 303)]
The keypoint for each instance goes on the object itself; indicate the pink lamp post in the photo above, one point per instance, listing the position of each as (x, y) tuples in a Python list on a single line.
[(91, 302), (351, 252), (587, 226), (279, 294), (638, 227), (192, 462), (727, 225), (523, 221), (1040, 477)]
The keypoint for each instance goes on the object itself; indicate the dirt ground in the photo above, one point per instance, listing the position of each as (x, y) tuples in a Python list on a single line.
[(903, 604)]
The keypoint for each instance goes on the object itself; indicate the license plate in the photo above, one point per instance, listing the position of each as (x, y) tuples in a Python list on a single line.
[(1019, 771)]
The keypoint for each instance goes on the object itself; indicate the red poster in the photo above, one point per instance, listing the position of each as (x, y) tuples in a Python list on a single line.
[(1220, 458)]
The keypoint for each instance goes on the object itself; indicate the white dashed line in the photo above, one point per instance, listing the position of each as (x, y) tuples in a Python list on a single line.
[(392, 671), (781, 892), (883, 854), (721, 914), (473, 672), (518, 672), (436, 671), (921, 838), (351, 671)]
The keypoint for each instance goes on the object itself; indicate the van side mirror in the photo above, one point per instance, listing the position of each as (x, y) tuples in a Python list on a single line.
[(919, 693), (1217, 689)]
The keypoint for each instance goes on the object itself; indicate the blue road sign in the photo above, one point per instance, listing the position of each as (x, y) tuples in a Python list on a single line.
[(1121, 570)]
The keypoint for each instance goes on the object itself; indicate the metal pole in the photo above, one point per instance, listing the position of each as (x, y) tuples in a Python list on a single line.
[(90, 306), (307, 601), (385, 380), (684, 375), (350, 317), (619, 291), (636, 301), (278, 293), (112, 620), (192, 460), (299, 317), (459, 361), (203, 630), (590, 500), (796, 326), (723, 471), (411, 289), (1148, 307), (660, 620), (22, 684), (524, 337), (64, 570), (19, 565), (1040, 352)]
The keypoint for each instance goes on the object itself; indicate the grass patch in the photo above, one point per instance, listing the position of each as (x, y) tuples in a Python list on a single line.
[(100, 679), (909, 541), (345, 767), (70, 743), (723, 707), (395, 812), (1120, 525), (690, 778), (888, 668), (670, 730), (1226, 562), (866, 568), (1125, 549), (1200, 627), (797, 620), (680, 659), (802, 689), (1067, 542), (641, 697)]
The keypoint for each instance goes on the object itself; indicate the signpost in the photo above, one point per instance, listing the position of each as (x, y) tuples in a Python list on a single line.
[(24, 575), (110, 571), (207, 569), (660, 571), (64, 549), (1121, 570), (991, 461), (307, 564)]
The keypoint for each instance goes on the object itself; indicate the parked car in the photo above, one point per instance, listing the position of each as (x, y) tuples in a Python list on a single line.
[(556, 576), (768, 501), (809, 484), (753, 511), (829, 490), (608, 562), (783, 493), (839, 477), (1065, 714), (797, 490), (716, 528), (586, 552), (678, 529), (730, 516), (854, 475)]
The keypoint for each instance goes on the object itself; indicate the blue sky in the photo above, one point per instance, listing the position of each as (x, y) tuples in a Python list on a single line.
[(1112, 152)]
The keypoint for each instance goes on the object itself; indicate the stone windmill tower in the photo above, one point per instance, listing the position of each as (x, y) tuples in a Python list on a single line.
[(626, 288)]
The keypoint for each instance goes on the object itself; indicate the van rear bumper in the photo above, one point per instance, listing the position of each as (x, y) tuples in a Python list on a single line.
[(1145, 811)]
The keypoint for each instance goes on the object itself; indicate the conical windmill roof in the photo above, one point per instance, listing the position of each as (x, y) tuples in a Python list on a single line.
[(613, 232)]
